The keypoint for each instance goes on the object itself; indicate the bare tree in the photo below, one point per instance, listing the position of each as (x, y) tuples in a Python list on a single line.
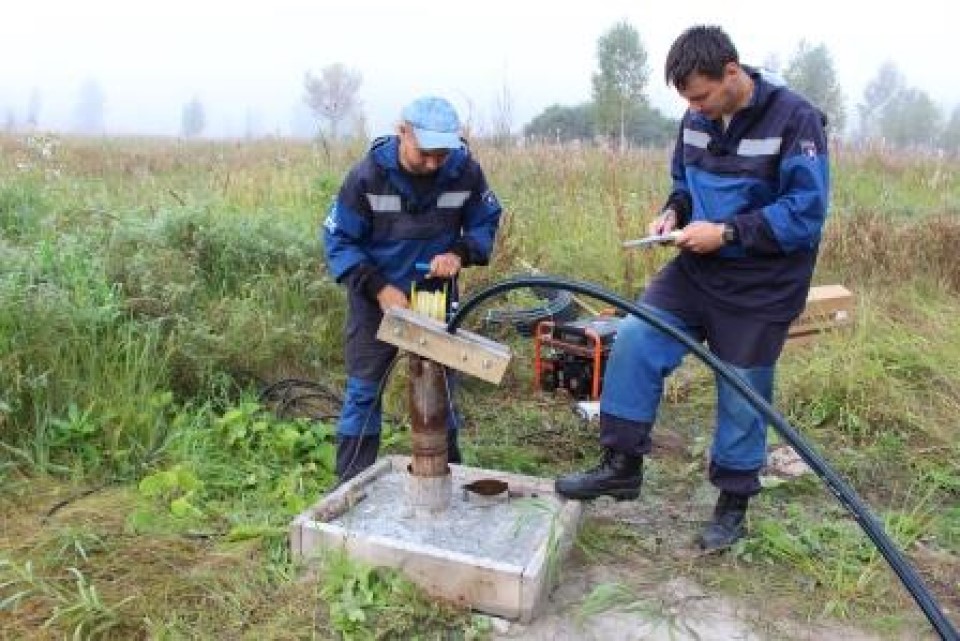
[(951, 134), (503, 116), (193, 118), (33, 109), (877, 96), (911, 118), (333, 96), (88, 116)]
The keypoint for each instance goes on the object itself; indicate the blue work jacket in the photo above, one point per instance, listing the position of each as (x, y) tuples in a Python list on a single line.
[(767, 174), (381, 221)]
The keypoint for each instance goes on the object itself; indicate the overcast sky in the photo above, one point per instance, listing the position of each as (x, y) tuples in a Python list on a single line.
[(246, 60)]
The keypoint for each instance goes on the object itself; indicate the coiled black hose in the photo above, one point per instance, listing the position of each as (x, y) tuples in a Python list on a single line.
[(844, 493), (558, 305)]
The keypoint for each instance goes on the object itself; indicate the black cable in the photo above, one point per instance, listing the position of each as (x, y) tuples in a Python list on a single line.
[(381, 386), (290, 393), (283, 386), (559, 305), (76, 497), (142, 466), (845, 494)]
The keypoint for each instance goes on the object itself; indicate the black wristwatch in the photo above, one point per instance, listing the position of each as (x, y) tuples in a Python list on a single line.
[(730, 235)]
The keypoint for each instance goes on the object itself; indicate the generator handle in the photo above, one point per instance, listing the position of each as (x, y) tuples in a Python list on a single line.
[(538, 350)]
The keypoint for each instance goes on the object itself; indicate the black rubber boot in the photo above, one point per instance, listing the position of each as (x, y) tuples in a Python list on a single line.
[(355, 454), (727, 526), (453, 447), (618, 475)]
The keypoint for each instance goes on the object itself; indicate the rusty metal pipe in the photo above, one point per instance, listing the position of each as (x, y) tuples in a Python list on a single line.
[(429, 486), (428, 414)]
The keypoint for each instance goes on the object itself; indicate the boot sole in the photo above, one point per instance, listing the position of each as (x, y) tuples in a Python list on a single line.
[(619, 495), (706, 548)]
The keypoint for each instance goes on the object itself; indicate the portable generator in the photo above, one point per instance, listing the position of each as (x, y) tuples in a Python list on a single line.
[(572, 355)]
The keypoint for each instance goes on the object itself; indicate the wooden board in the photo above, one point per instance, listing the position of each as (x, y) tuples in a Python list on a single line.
[(828, 307), (463, 351)]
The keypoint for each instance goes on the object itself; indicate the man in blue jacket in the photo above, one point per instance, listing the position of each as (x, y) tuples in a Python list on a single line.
[(749, 198), (416, 199)]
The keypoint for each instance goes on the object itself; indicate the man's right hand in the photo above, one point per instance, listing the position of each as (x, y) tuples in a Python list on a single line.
[(665, 223), (390, 297)]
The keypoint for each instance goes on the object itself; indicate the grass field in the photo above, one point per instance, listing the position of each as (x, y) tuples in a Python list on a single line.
[(151, 290)]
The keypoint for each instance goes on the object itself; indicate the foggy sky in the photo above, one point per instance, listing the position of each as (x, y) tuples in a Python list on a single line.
[(246, 60)]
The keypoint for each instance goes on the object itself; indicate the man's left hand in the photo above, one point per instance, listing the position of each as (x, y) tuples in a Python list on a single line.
[(444, 266), (701, 237)]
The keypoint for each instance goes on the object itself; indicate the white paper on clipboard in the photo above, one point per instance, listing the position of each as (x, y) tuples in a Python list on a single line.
[(657, 239)]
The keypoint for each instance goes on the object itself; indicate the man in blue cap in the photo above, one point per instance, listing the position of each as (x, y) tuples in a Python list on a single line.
[(417, 198)]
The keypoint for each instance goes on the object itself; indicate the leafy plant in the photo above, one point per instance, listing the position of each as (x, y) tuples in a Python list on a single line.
[(81, 611), (176, 487), (378, 603), (85, 614)]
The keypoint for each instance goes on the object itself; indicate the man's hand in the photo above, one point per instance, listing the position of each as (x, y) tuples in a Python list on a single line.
[(444, 266), (390, 297), (665, 223), (701, 237)]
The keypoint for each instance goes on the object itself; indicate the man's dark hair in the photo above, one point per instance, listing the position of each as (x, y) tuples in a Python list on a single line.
[(704, 50)]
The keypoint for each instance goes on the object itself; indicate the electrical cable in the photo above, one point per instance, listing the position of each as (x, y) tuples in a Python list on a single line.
[(283, 394), (381, 386), (142, 466), (288, 395), (842, 491)]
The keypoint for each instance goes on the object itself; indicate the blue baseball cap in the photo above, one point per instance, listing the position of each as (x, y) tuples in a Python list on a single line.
[(435, 123)]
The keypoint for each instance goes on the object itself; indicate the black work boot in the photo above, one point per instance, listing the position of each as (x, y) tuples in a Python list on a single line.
[(453, 447), (355, 454), (727, 526), (618, 475)]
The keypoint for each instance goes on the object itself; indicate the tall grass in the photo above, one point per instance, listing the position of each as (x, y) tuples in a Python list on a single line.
[(125, 275), (149, 288)]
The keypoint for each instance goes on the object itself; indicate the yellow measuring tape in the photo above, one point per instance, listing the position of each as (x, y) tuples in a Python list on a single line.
[(432, 304)]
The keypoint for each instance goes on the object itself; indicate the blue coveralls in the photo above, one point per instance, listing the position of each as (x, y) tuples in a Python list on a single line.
[(768, 175), (378, 229)]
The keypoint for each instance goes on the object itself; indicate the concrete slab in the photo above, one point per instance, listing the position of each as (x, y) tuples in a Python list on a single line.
[(497, 555)]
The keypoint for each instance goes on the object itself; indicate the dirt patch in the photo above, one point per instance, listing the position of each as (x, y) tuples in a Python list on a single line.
[(640, 584), (675, 610)]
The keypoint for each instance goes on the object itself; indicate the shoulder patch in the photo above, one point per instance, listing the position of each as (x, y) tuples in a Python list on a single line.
[(330, 222), (490, 199)]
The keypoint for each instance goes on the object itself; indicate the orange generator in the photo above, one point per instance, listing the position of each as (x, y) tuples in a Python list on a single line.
[(572, 355)]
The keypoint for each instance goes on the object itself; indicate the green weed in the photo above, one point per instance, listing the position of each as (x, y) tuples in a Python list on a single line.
[(378, 603), (80, 612)]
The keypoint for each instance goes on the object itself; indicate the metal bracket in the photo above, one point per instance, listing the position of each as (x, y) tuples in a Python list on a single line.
[(463, 351)]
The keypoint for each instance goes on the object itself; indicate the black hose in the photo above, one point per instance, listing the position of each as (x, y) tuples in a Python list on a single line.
[(558, 305), (844, 493)]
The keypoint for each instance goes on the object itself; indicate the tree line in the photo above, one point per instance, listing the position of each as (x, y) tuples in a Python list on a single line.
[(618, 113), (890, 111)]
